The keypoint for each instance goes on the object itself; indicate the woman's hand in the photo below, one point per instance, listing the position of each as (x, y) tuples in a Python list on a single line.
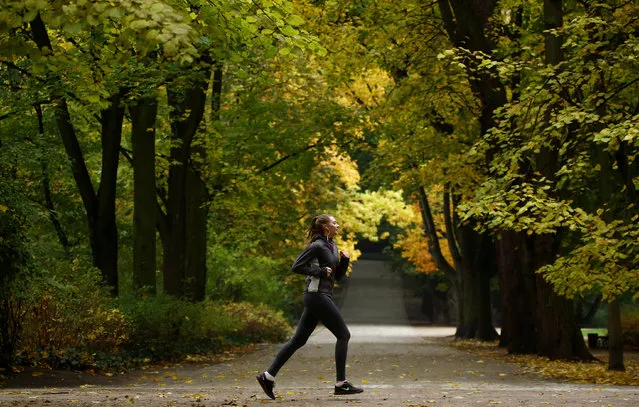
[(328, 271), (344, 254)]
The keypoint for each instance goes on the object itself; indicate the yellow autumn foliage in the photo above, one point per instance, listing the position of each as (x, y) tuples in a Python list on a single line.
[(414, 246)]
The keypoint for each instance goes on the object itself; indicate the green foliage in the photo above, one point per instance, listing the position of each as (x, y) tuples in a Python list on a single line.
[(240, 273), (166, 327), (563, 155), (13, 270), (69, 317), (275, 155), (281, 148), (15, 264), (13, 256), (607, 260), (255, 323), (70, 320)]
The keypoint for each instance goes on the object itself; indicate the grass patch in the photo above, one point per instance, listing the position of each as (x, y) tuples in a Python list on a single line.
[(575, 372), (598, 331)]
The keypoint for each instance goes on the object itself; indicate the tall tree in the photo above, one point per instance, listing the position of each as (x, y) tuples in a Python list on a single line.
[(183, 228), (418, 128), (253, 33), (80, 61), (143, 112), (559, 137), (467, 24), (100, 206)]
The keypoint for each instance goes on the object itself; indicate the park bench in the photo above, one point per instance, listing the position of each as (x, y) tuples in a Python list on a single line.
[(596, 341)]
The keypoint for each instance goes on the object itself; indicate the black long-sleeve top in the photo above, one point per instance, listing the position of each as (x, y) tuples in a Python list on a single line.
[(314, 260)]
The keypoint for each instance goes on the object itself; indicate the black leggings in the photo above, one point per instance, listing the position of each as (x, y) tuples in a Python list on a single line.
[(317, 307)]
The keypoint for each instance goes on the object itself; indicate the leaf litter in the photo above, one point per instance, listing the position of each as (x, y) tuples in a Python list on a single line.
[(595, 372)]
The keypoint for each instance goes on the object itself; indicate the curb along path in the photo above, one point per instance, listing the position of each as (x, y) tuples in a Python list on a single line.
[(397, 364)]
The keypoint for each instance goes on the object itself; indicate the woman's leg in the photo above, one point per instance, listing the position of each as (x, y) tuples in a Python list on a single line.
[(305, 327), (326, 311)]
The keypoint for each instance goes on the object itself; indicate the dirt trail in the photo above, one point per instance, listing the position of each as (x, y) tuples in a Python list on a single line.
[(397, 364)]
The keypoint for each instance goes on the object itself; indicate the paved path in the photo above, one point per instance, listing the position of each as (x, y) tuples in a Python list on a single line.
[(398, 365)]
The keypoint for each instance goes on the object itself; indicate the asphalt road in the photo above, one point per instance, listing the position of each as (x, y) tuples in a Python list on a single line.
[(397, 364)]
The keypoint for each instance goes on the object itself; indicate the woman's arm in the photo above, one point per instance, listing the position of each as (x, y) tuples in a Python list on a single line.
[(304, 263), (344, 260)]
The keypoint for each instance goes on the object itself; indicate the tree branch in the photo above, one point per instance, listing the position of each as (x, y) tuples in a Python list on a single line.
[(432, 238), (450, 230), (66, 129)]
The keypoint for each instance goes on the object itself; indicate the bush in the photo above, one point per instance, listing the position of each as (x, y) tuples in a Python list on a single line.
[(13, 271), (165, 327), (257, 323), (70, 319), (240, 275)]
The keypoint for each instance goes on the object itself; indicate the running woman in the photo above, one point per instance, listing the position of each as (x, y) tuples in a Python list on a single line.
[(322, 264)]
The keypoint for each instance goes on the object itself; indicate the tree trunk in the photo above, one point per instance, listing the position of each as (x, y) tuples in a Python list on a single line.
[(518, 290), (466, 22), (486, 266), (553, 20), (195, 270), (471, 277), (557, 332), (615, 337), (612, 178), (450, 273), (105, 231), (558, 336), (477, 254), (607, 182), (184, 245), (143, 116)]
